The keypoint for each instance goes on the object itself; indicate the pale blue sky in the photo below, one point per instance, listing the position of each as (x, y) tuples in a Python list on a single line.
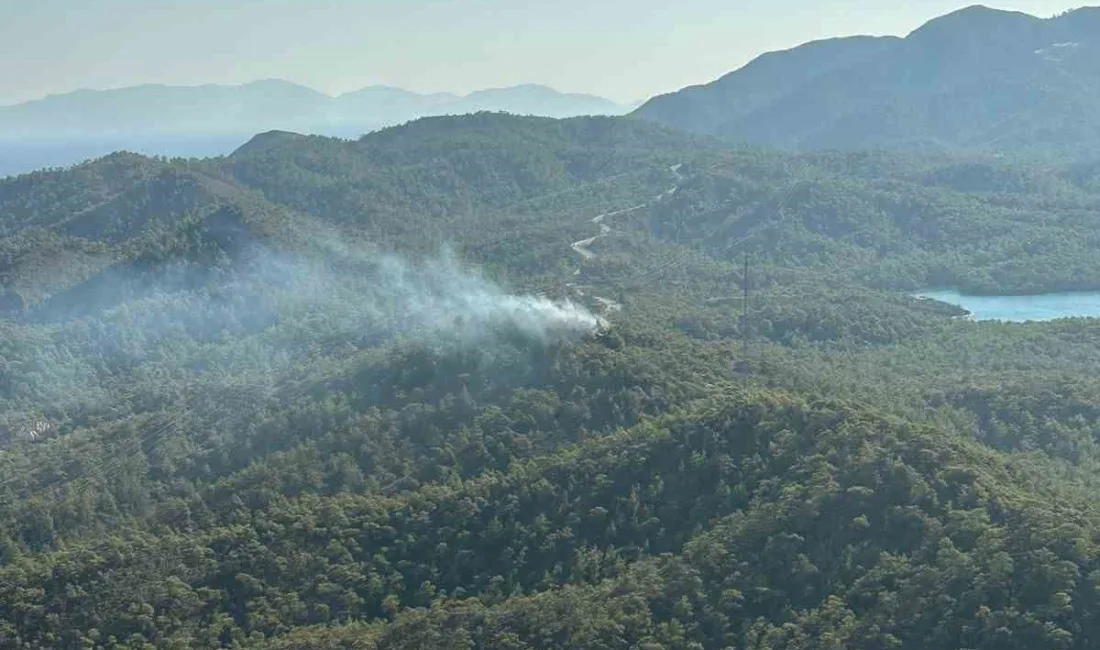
[(623, 49)]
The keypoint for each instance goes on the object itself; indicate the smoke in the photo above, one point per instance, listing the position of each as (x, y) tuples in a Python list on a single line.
[(324, 283), (434, 298), (273, 314), (439, 296)]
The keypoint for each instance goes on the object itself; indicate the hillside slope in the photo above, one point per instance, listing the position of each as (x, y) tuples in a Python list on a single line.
[(488, 381), (978, 79)]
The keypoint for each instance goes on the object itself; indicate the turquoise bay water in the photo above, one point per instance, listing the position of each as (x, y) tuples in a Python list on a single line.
[(1021, 309)]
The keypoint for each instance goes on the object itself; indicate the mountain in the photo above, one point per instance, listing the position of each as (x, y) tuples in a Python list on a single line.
[(978, 79), (262, 106), (210, 120), (394, 105), (488, 381), (389, 105), (759, 84), (158, 109), (533, 99)]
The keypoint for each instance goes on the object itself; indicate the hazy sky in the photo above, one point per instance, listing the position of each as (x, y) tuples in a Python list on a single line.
[(623, 49)]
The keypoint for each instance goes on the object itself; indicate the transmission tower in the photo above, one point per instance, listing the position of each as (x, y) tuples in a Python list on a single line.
[(745, 309), (741, 366)]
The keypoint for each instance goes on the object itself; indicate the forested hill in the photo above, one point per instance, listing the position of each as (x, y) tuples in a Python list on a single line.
[(487, 381), (975, 80), (876, 219)]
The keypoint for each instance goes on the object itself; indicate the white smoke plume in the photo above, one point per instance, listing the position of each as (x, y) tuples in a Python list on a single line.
[(267, 319), (435, 296), (439, 295)]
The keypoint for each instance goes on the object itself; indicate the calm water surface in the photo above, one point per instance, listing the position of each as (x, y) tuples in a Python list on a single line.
[(1020, 309)]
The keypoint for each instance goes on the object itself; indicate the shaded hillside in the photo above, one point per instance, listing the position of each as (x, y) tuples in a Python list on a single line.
[(768, 79), (978, 79), (783, 521)]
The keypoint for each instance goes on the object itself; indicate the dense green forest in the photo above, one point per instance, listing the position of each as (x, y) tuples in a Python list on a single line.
[(488, 381)]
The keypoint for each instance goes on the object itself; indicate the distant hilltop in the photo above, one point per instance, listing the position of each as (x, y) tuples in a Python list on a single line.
[(978, 79)]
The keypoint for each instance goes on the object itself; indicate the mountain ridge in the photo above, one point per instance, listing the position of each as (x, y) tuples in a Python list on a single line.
[(978, 79), (214, 119), (328, 107)]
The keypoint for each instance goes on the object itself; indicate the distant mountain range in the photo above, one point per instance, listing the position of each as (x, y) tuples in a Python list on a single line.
[(977, 79), (214, 119), (266, 105)]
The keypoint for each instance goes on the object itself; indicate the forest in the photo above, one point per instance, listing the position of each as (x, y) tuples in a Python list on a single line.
[(490, 381)]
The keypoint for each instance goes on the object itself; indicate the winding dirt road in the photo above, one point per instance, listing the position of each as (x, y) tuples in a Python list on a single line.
[(583, 246)]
